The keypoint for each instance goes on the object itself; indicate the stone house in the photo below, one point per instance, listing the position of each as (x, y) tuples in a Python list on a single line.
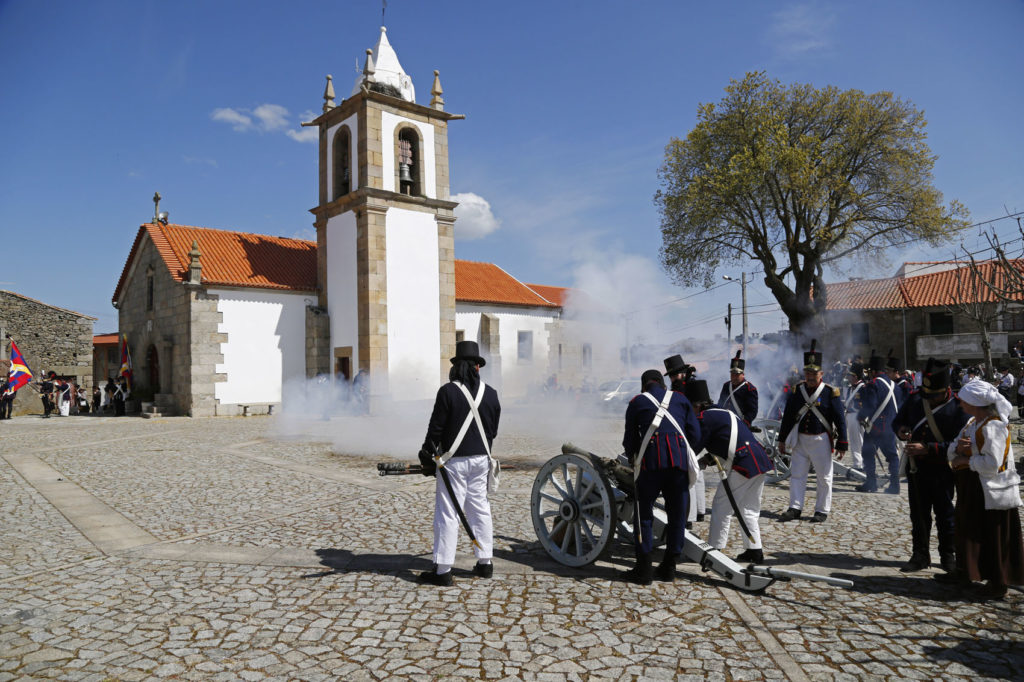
[(106, 357), (912, 314), (50, 338)]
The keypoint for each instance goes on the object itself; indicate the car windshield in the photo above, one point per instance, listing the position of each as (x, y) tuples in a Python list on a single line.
[(609, 386)]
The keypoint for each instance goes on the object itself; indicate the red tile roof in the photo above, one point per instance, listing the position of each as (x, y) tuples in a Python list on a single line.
[(920, 291), (487, 283), (104, 339), (242, 259), (237, 259)]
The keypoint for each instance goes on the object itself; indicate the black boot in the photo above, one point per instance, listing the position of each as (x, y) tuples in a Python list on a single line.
[(918, 562), (642, 573), (666, 571), (751, 556), (789, 515), (948, 562)]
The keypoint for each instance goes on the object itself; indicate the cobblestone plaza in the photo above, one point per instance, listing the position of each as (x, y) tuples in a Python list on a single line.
[(218, 549)]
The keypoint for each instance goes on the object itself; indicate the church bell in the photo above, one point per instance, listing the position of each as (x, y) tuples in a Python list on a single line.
[(404, 174)]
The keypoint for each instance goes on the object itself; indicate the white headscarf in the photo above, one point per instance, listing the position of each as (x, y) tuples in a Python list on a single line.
[(983, 394)]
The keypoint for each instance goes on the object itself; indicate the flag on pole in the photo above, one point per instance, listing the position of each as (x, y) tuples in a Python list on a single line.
[(19, 374), (126, 361)]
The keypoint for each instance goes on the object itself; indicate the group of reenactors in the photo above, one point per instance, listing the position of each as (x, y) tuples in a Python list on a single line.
[(931, 435)]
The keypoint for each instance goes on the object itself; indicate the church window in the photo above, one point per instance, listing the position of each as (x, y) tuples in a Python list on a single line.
[(149, 289), (525, 346), (409, 162), (341, 150)]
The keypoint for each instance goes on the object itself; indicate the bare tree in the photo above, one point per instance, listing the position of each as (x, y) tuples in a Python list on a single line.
[(974, 299)]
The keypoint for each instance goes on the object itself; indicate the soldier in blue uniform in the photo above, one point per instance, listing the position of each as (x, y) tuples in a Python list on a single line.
[(813, 425), (727, 437), (660, 434), (678, 373), (738, 395), (877, 413), (928, 422)]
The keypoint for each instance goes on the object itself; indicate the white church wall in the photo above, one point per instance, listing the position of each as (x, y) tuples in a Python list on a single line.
[(353, 140), (414, 308), (265, 347), (342, 278), (388, 124), (518, 375)]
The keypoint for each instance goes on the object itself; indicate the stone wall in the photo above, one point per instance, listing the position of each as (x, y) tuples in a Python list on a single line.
[(50, 339), (318, 341)]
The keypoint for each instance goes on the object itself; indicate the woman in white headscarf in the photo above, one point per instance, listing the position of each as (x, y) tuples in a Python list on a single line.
[(989, 545)]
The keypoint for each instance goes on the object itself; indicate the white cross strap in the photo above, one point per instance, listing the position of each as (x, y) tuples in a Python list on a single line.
[(474, 415)]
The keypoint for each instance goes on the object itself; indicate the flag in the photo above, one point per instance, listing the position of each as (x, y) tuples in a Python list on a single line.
[(19, 374), (126, 361)]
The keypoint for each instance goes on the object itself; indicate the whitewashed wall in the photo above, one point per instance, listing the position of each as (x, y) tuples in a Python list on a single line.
[(353, 125), (266, 343), (342, 279), (414, 308), (517, 376), (388, 124)]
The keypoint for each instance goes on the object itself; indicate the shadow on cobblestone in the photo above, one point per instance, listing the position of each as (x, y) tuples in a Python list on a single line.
[(985, 656), (833, 561)]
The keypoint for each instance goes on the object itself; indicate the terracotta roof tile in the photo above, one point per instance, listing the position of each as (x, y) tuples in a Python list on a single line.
[(556, 295), (487, 283), (237, 259), (866, 294), (104, 339)]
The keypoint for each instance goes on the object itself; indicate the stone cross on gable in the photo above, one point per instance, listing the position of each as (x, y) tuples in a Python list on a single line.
[(156, 207)]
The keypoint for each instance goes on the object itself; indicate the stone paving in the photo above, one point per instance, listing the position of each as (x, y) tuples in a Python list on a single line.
[(237, 548)]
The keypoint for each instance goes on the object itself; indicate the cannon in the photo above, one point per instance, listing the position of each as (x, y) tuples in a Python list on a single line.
[(769, 439), (581, 502)]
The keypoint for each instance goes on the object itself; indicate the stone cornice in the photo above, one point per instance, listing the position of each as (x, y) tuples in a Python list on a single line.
[(381, 199), (351, 106)]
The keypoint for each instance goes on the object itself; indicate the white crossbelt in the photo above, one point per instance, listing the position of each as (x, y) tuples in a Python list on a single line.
[(473, 416), (691, 457), (853, 394), (881, 407), (732, 398), (734, 431)]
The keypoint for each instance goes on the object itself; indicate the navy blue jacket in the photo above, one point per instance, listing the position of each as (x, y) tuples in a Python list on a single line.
[(854, 404), (666, 449), (716, 428), (874, 394), (746, 398), (902, 392), (450, 410), (950, 418), (831, 408)]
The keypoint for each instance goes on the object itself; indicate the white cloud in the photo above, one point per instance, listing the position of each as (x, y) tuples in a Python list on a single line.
[(199, 160), (475, 218), (235, 118), (271, 116), (801, 29), (304, 134), (307, 233)]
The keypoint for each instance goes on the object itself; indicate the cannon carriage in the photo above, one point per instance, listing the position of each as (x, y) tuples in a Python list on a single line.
[(581, 502)]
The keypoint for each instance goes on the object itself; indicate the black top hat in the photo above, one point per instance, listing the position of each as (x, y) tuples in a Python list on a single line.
[(856, 369), (675, 365), (696, 391), (935, 377), (812, 358), (892, 363), (736, 365), (876, 363), (468, 350)]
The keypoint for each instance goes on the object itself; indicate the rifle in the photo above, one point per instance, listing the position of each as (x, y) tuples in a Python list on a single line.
[(403, 469)]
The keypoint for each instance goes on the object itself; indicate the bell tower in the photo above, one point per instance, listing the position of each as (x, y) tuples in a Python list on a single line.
[(385, 232)]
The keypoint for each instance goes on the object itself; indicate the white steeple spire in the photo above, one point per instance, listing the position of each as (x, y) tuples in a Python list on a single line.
[(387, 70)]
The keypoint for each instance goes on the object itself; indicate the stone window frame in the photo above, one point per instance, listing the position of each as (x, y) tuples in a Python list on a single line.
[(417, 158), (341, 156)]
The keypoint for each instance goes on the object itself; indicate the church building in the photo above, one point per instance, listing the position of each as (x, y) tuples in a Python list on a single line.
[(219, 321)]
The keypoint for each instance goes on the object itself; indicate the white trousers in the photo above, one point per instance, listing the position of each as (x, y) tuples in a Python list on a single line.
[(468, 476), (855, 436), (747, 492), (698, 498), (810, 451)]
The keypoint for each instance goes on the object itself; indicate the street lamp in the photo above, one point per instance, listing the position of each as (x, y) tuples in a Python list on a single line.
[(743, 287)]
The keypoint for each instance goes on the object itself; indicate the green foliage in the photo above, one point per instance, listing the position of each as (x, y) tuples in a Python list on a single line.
[(796, 177)]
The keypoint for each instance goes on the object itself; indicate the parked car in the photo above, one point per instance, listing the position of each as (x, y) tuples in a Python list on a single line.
[(616, 394)]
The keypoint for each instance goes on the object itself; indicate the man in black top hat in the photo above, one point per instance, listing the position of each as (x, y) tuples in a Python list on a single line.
[(680, 375), (738, 395), (466, 462), (678, 372), (901, 387), (813, 425), (928, 422)]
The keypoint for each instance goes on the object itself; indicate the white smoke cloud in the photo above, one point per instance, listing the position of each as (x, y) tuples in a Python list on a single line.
[(475, 218)]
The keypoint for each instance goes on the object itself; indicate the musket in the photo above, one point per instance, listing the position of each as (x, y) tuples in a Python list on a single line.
[(403, 469)]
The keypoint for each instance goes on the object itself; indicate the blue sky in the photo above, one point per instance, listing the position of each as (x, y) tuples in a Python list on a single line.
[(569, 106)]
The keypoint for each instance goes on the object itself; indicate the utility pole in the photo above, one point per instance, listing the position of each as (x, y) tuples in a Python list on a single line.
[(743, 287), (728, 326)]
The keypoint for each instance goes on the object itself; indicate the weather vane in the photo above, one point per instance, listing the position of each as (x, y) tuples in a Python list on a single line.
[(383, 9)]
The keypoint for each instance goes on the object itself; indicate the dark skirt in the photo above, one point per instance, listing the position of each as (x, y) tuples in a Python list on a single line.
[(989, 544)]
